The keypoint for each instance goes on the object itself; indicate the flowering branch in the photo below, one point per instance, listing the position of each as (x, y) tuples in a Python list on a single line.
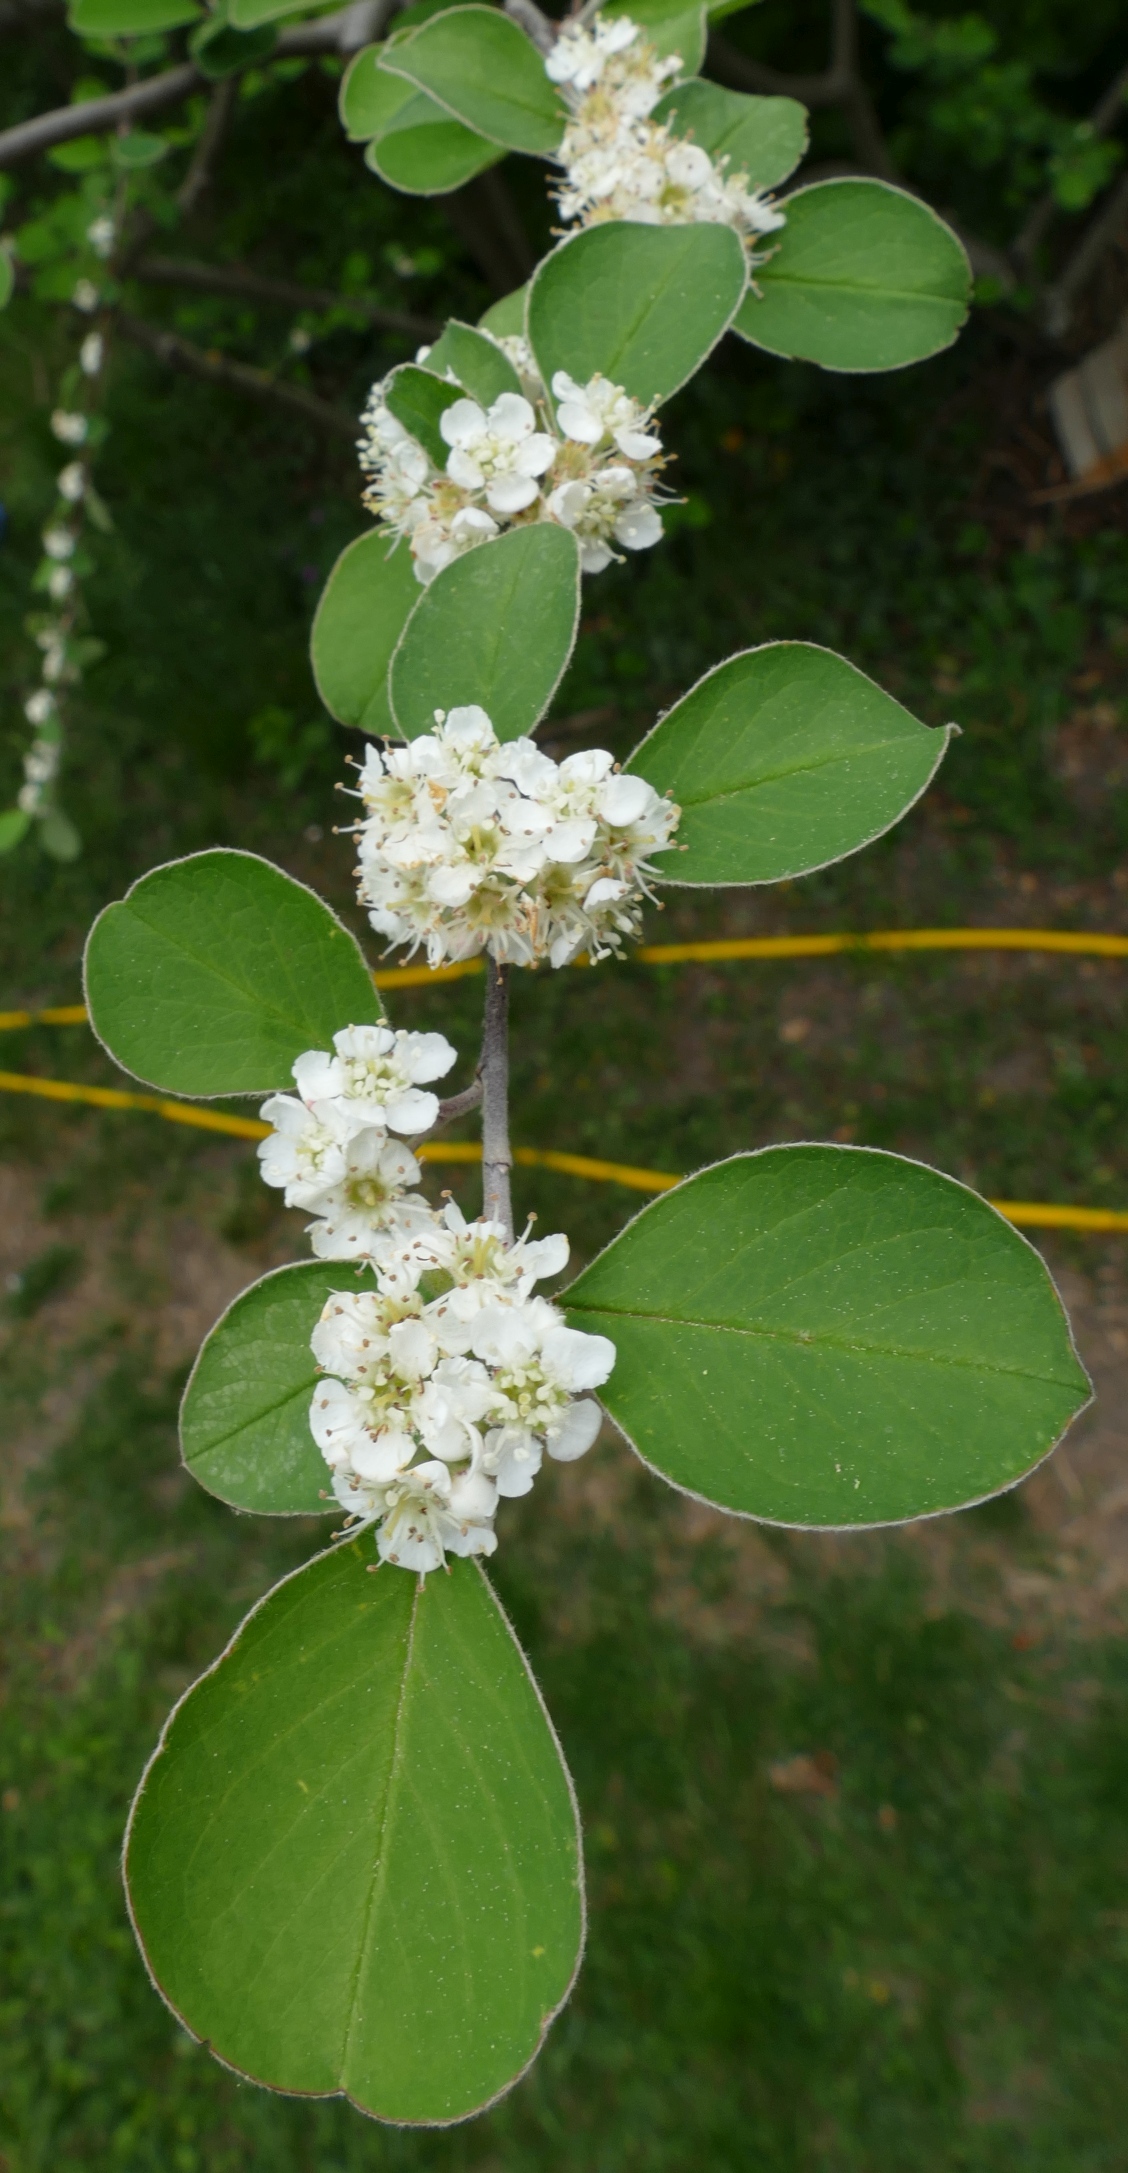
[(493, 1070)]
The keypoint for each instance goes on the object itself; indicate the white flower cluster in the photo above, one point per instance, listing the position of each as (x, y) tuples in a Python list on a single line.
[(444, 1386), (53, 632), (470, 844), (431, 1410), (592, 466), (330, 1151), (618, 162)]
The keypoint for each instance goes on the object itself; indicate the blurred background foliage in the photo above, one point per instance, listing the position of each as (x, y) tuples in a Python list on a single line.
[(913, 1950)]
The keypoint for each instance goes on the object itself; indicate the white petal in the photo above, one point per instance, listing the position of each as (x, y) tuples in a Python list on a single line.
[(579, 1361), (412, 1111), (579, 422), (463, 423), (578, 1427), (427, 1056), (511, 493), (511, 417), (463, 469), (413, 1348), (317, 1075), (383, 1456), (625, 800), (639, 528)]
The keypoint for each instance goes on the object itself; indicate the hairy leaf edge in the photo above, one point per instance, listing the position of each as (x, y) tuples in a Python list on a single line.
[(885, 1524)]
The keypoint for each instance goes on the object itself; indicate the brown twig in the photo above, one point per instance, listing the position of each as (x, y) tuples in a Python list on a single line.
[(484, 217), (237, 279), (202, 165), (337, 33), (1057, 305), (214, 369), (459, 1105)]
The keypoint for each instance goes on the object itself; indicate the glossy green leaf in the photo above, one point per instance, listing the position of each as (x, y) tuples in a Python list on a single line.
[(129, 18), (480, 365), (496, 627), (506, 319), (14, 826), (212, 974), (363, 610), (762, 137), (477, 64), (353, 1864), (137, 148), (831, 1336), (782, 760), (244, 1421), (418, 400), (865, 278), (370, 99), (431, 157), (642, 304), (669, 26)]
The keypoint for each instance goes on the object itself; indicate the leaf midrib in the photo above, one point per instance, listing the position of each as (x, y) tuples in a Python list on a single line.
[(207, 965), (855, 287), (812, 1340), (264, 1411), (794, 769), (379, 1874)]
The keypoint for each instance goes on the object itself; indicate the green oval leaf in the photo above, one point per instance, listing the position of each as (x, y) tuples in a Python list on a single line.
[(219, 49), (418, 399), (865, 278), (129, 18), (762, 137), (7, 277), (212, 974), (244, 1421), (642, 304), (496, 627), (669, 26), (370, 99), (248, 14), (363, 610), (432, 157), (480, 365), (477, 64), (353, 1863), (831, 1336), (506, 319), (782, 760)]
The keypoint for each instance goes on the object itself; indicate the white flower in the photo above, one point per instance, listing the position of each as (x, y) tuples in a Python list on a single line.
[(370, 1213), (619, 163), (71, 482), (471, 845), (427, 1413), (499, 451), (59, 542), (375, 1078), (39, 706), (100, 235), (70, 428), (41, 762), (597, 450), (91, 354), (60, 583), (85, 296), (305, 1156)]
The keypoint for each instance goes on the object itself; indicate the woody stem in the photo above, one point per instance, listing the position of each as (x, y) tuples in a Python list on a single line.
[(493, 1070)]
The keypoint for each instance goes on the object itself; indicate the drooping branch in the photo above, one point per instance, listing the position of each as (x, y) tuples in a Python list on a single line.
[(1078, 269), (181, 354), (493, 1070), (343, 32), (198, 178), (1102, 118), (841, 83), (237, 279)]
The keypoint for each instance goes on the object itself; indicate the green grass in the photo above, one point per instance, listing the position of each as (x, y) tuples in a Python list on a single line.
[(928, 1967)]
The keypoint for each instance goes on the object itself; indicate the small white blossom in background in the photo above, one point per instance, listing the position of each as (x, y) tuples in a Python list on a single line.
[(619, 163), (59, 542), (69, 427), (86, 296), (60, 584), (100, 235), (592, 464), (71, 482), (471, 844), (92, 354), (431, 1410), (39, 706)]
